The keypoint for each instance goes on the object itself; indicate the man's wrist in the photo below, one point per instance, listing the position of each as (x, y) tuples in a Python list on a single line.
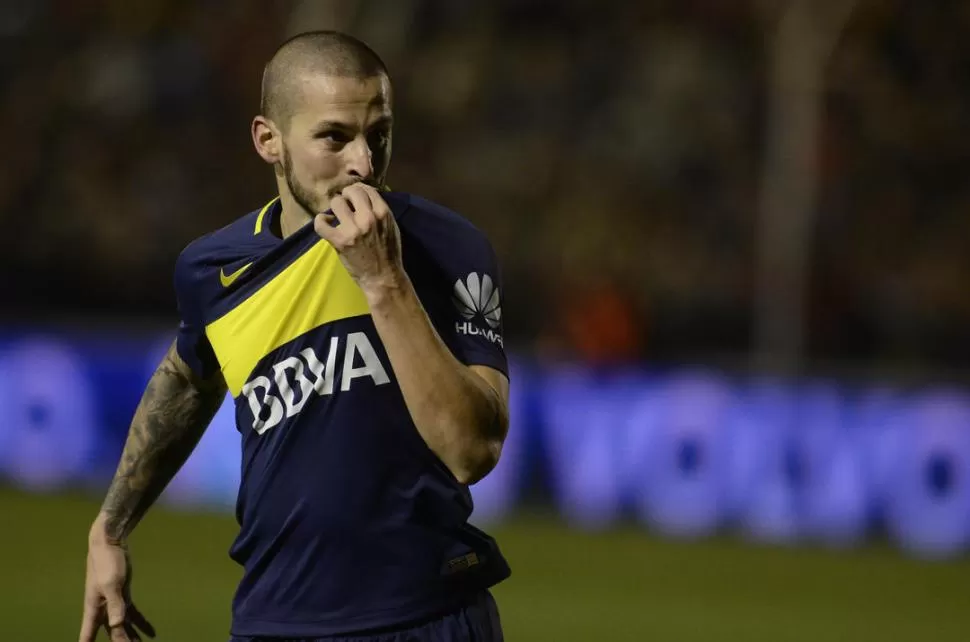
[(383, 290), (102, 532)]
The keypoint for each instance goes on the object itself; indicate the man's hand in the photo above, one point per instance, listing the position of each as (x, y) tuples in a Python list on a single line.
[(363, 231), (107, 597)]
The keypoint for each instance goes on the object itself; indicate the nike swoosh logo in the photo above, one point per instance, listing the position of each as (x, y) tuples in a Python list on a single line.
[(227, 279)]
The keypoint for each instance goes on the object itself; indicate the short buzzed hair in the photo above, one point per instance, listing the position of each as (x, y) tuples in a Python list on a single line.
[(324, 52)]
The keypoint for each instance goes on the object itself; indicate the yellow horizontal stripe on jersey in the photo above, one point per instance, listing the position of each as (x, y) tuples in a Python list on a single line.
[(314, 290)]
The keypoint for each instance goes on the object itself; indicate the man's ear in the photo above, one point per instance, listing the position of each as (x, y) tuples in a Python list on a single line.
[(267, 139)]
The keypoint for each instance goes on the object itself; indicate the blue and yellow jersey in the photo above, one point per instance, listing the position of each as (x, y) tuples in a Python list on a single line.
[(348, 521)]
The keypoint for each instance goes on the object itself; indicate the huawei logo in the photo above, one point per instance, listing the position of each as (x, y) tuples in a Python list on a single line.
[(477, 295)]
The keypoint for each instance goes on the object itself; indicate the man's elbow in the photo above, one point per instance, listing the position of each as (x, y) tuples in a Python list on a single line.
[(477, 461), (481, 448)]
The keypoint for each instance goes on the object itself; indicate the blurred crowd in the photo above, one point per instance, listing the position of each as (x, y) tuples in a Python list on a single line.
[(611, 151)]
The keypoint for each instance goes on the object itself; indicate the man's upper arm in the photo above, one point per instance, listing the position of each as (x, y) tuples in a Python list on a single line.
[(499, 384), (472, 320), (212, 383), (192, 347), (496, 380)]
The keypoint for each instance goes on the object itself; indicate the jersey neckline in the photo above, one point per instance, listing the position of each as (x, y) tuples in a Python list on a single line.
[(270, 213)]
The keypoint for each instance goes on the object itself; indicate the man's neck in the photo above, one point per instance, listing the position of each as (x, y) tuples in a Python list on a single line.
[(292, 217)]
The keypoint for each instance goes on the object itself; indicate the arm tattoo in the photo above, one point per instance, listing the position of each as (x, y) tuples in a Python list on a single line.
[(168, 423)]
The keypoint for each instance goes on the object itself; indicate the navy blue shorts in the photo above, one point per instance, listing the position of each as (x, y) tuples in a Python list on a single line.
[(476, 622)]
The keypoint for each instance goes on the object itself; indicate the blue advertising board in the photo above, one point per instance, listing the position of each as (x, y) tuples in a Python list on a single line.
[(686, 454)]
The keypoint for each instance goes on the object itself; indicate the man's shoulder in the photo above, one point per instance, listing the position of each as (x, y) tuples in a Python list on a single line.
[(230, 236), (428, 220), (226, 239), (221, 247)]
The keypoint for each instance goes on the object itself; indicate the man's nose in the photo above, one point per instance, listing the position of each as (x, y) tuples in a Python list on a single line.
[(360, 159)]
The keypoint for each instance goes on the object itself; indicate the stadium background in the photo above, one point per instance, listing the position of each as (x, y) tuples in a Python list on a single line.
[(735, 242)]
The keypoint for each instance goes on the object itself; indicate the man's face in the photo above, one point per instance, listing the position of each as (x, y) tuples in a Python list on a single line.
[(339, 133)]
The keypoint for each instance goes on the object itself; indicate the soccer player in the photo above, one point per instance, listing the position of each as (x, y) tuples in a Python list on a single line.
[(359, 332)]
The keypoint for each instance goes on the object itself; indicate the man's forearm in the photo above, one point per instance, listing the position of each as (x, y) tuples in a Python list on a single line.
[(461, 416), (168, 423)]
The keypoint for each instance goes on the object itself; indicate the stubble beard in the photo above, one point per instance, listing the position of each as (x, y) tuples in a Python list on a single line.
[(303, 197)]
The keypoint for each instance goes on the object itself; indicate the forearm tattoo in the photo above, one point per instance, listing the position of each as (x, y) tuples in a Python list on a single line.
[(168, 423)]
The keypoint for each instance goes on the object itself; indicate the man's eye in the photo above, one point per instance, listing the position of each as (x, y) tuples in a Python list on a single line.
[(333, 135), (378, 139)]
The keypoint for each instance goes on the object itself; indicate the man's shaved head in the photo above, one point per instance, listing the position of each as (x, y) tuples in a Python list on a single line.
[(328, 53), (326, 120)]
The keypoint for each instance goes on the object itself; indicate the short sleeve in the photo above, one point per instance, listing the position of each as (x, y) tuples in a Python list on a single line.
[(191, 342), (475, 326)]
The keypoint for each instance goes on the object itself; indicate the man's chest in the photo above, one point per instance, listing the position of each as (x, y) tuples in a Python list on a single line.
[(312, 291)]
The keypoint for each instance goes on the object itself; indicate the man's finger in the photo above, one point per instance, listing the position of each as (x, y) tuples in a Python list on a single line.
[(378, 205), (340, 206), (89, 624), (118, 633), (135, 617), (116, 609), (361, 202), (345, 229), (324, 225)]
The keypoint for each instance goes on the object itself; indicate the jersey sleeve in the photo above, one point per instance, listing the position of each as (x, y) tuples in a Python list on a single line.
[(191, 342), (474, 325)]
